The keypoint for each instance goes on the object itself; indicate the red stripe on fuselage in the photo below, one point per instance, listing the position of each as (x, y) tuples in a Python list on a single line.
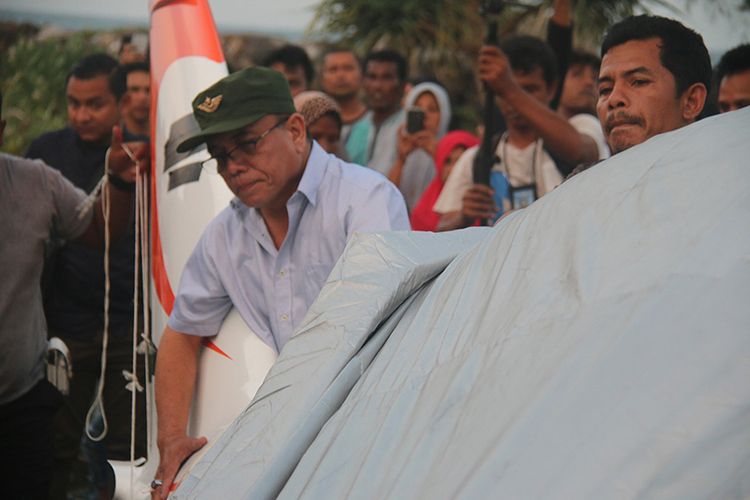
[(208, 343), (179, 28)]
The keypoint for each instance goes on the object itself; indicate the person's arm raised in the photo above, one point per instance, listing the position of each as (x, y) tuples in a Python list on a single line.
[(558, 135), (121, 190)]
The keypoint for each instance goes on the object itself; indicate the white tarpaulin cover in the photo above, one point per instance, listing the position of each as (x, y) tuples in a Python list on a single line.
[(593, 345)]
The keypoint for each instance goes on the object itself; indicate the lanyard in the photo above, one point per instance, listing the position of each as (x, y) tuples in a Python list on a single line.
[(505, 164)]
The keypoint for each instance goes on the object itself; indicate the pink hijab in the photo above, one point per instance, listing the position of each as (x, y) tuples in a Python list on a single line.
[(422, 217)]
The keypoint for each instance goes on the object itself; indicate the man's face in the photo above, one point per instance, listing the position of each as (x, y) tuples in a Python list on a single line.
[(532, 83), (92, 108), (637, 95), (267, 174), (138, 95), (130, 53), (579, 90), (341, 76), (382, 86), (294, 75), (734, 91)]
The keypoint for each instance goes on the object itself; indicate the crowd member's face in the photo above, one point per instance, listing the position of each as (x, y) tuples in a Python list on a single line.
[(450, 161), (579, 90), (532, 83), (429, 104), (138, 94), (130, 53), (92, 108), (341, 76), (637, 95), (294, 75), (382, 86), (734, 91), (265, 174), (327, 132)]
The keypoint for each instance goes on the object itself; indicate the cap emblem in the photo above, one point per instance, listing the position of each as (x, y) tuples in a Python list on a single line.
[(210, 104)]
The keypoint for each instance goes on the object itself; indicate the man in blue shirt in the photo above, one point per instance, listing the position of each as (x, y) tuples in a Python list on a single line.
[(268, 253)]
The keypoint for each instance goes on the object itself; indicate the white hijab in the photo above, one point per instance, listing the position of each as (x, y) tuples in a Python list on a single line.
[(443, 101)]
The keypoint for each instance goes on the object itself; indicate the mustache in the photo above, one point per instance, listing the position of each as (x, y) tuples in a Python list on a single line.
[(622, 118)]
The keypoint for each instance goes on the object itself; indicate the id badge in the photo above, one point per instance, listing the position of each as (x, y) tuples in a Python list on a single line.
[(500, 185), (522, 196)]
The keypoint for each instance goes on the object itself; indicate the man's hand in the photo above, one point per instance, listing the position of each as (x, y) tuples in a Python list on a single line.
[(120, 162), (495, 71), (173, 451), (478, 203), (176, 369)]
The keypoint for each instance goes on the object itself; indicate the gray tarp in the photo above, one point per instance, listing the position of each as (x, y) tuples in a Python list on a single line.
[(593, 345)]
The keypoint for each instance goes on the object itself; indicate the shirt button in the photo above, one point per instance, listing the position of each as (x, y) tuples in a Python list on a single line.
[(282, 273), (284, 317)]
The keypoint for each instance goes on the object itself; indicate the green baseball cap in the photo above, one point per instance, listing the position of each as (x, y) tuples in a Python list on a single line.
[(238, 100)]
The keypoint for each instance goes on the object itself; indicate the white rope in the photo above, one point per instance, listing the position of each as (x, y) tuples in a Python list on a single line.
[(142, 207), (141, 266), (99, 400), (84, 207), (134, 389)]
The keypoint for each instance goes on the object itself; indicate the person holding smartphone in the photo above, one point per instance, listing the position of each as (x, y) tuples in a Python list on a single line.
[(428, 113)]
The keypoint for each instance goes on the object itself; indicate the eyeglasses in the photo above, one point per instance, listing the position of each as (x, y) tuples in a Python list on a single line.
[(240, 153)]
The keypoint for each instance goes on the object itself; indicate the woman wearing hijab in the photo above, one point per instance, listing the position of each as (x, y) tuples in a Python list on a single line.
[(414, 167), (323, 119), (450, 147)]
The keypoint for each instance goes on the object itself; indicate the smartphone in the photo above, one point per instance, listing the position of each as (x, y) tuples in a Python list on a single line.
[(414, 120)]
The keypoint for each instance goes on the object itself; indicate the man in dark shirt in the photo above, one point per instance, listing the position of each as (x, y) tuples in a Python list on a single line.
[(74, 287), (131, 84)]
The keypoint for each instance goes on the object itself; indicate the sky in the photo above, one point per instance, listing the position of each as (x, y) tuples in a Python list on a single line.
[(719, 31)]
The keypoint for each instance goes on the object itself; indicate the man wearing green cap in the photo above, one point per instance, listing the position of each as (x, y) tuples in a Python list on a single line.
[(268, 253)]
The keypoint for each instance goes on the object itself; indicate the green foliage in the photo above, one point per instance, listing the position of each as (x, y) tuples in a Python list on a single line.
[(33, 85)]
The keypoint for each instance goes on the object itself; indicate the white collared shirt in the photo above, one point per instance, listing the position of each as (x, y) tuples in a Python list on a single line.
[(236, 262)]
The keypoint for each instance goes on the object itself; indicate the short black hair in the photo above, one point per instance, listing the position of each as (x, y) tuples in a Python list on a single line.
[(682, 51), (582, 58), (391, 56), (93, 66), (338, 49), (526, 53), (118, 81), (736, 60), (292, 56)]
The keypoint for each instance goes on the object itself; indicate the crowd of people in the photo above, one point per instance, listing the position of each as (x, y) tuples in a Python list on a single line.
[(369, 151)]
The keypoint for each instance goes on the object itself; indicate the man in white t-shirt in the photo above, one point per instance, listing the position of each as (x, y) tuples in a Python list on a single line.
[(537, 151)]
